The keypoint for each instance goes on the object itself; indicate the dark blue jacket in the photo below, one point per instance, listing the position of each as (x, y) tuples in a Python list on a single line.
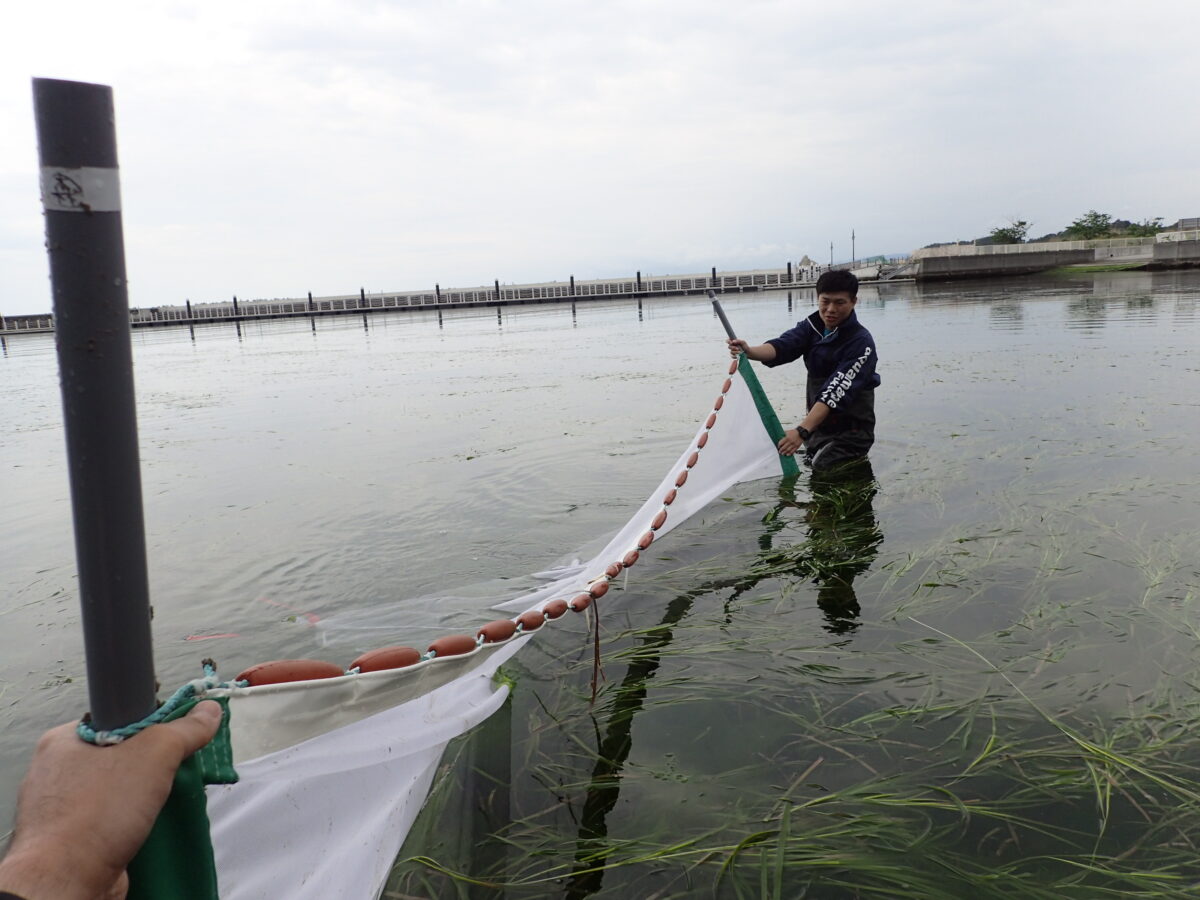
[(841, 369)]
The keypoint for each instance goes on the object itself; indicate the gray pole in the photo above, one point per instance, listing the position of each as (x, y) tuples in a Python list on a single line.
[(77, 149), (721, 315)]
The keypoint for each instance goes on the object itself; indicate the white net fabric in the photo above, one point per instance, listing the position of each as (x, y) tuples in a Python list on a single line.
[(336, 770)]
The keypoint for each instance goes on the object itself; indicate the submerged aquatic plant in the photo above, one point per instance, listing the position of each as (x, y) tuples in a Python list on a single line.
[(1003, 709)]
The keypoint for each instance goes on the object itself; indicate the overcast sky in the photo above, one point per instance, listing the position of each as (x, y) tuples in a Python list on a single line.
[(271, 148)]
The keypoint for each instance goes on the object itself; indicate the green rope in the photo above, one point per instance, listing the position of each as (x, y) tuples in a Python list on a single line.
[(185, 696)]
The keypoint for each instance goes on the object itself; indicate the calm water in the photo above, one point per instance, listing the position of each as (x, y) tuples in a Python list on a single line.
[(1035, 496)]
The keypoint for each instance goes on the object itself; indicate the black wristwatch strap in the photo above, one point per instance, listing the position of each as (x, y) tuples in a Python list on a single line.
[(804, 433)]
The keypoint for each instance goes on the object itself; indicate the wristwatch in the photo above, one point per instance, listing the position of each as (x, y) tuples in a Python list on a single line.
[(804, 433)]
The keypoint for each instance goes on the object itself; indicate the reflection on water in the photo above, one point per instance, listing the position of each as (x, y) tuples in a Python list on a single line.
[(827, 537), (1007, 316), (1087, 313), (841, 542), (1095, 300)]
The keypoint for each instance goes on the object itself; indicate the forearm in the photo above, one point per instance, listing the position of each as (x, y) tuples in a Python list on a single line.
[(49, 873), (817, 414), (792, 439), (760, 352)]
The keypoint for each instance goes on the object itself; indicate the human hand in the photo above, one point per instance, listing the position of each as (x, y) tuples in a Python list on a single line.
[(84, 811), (790, 443), (737, 346)]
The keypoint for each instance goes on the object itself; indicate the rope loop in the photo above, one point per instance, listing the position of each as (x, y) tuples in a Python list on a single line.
[(195, 689)]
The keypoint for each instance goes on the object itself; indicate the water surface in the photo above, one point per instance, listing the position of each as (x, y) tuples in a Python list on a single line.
[(1034, 498)]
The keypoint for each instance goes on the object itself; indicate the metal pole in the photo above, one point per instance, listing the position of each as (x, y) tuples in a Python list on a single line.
[(721, 315), (77, 150)]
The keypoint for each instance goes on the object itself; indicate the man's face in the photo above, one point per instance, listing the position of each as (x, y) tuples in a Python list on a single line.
[(835, 308)]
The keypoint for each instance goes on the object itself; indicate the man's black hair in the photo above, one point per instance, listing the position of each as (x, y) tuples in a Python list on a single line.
[(835, 281)]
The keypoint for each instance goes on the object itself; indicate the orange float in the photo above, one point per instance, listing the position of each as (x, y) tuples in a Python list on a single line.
[(452, 645), (499, 630), (532, 620), (386, 658), (282, 671)]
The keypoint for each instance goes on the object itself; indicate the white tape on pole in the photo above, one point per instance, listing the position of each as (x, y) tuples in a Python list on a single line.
[(81, 190)]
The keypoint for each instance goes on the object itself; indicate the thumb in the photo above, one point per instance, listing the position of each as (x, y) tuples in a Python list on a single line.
[(198, 727)]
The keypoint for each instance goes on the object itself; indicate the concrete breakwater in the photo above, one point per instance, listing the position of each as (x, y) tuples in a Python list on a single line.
[(1168, 250)]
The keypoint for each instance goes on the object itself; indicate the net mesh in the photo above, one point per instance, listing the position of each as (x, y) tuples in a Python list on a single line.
[(336, 770)]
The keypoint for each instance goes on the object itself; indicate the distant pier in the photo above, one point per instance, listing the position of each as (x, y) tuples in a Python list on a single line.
[(496, 294)]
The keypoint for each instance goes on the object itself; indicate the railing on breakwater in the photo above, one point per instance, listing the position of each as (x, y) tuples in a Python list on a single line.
[(26, 324), (1126, 244), (494, 295)]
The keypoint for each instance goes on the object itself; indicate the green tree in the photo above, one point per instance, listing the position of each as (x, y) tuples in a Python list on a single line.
[(1012, 233), (1090, 225), (1146, 228)]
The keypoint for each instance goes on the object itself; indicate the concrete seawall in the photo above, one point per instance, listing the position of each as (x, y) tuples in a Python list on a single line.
[(944, 268), (1176, 254), (965, 261)]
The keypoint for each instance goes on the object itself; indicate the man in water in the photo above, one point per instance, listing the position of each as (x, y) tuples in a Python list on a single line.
[(839, 426)]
